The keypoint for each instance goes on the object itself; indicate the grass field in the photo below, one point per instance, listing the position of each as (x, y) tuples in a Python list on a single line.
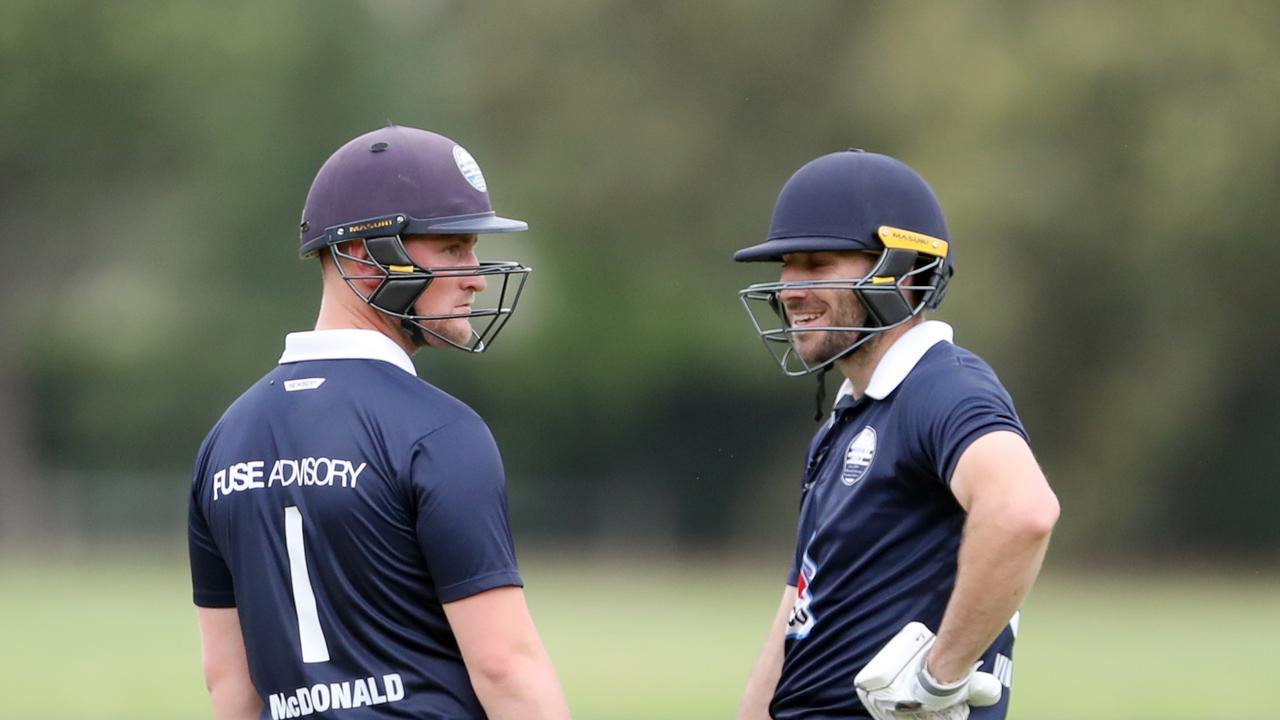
[(116, 639)]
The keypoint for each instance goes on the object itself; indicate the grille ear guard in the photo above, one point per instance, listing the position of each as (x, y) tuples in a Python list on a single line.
[(884, 299), (941, 277), (387, 251), (395, 294), (775, 304)]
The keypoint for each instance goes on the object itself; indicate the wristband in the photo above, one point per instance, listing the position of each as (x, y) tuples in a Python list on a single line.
[(934, 687)]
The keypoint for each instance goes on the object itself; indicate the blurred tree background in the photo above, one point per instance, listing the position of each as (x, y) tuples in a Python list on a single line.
[(1110, 172)]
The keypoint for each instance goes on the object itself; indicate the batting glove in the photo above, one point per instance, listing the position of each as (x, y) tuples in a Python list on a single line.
[(896, 684)]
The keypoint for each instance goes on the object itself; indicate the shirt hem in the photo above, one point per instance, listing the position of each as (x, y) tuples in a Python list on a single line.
[(477, 585), (214, 601), (978, 434)]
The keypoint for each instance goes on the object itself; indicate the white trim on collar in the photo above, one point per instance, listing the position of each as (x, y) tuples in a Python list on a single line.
[(901, 358), (346, 344)]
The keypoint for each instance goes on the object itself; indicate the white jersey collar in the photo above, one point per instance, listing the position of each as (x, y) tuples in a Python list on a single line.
[(901, 358), (346, 344)]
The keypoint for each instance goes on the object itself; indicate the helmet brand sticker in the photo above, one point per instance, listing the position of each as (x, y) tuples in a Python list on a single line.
[(900, 239), (469, 169), (859, 456)]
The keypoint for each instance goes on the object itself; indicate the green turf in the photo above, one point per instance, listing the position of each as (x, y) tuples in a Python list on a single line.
[(117, 639)]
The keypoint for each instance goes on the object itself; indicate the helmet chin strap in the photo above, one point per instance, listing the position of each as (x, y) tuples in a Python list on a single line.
[(414, 333), (820, 397)]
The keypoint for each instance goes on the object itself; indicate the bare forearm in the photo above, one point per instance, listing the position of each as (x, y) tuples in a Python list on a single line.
[(523, 689), (768, 668), (761, 685), (506, 660), (225, 665), (1000, 558), (233, 699)]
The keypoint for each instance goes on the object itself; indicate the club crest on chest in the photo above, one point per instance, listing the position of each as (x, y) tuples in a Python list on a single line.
[(859, 456)]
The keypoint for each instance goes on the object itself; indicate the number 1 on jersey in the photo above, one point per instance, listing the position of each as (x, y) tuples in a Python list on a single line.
[(314, 647)]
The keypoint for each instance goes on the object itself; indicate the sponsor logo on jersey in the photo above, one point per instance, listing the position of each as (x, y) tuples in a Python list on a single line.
[(302, 384), (469, 168), (323, 697), (801, 620), (307, 471), (859, 456)]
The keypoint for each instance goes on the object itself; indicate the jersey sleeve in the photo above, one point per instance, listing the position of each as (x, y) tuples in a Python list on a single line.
[(793, 575), (211, 581), (962, 407), (462, 522)]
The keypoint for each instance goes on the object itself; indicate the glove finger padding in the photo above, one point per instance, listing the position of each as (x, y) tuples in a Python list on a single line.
[(984, 689), (895, 685)]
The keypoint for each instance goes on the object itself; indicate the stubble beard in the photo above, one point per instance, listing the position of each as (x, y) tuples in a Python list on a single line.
[(457, 330), (827, 344)]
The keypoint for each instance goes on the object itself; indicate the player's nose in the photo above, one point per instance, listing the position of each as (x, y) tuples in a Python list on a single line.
[(790, 295), (474, 283)]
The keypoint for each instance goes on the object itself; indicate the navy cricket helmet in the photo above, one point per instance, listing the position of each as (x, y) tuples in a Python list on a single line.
[(400, 181), (862, 202)]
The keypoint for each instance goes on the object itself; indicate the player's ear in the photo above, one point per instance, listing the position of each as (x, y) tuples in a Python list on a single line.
[(356, 249), (351, 261)]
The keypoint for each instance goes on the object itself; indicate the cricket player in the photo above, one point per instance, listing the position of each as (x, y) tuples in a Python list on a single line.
[(351, 555), (922, 510)]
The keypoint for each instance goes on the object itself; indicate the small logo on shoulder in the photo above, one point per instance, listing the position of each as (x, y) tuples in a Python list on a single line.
[(302, 384), (859, 456)]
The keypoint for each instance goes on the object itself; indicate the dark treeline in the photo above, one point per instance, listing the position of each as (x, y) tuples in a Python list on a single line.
[(1110, 171)]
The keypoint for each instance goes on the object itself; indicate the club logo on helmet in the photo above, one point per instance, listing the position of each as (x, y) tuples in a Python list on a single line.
[(469, 168)]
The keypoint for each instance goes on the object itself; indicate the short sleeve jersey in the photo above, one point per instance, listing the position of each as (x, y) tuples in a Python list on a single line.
[(879, 528), (337, 505)]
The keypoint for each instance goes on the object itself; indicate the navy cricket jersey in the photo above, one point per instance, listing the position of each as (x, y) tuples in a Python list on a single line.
[(879, 526), (337, 505)]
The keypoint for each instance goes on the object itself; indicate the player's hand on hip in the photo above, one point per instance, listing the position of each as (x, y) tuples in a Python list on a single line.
[(896, 683)]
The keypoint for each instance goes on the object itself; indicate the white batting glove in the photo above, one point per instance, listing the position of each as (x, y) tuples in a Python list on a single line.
[(896, 684)]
